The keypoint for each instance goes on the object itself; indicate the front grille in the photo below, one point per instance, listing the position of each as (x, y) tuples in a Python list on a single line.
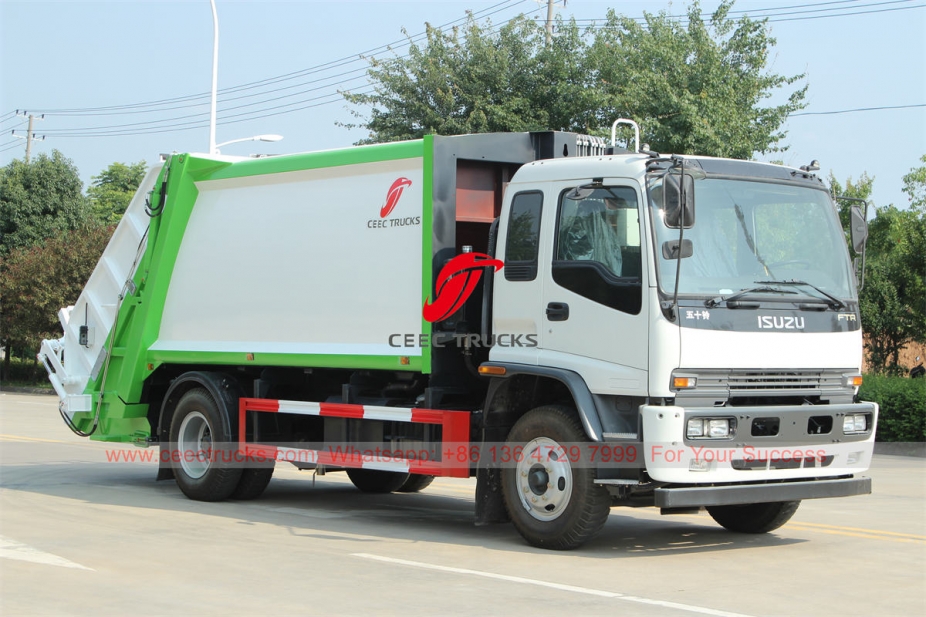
[(717, 386)]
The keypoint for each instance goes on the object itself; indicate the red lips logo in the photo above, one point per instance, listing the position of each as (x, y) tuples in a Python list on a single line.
[(392, 197), (456, 282)]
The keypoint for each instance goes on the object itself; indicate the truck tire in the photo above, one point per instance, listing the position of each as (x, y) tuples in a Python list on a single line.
[(552, 502), (376, 481), (254, 481), (203, 472), (415, 483), (754, 517)]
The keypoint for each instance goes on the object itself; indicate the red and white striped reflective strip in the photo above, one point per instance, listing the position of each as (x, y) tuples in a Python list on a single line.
[(454, 436), (342, 410)]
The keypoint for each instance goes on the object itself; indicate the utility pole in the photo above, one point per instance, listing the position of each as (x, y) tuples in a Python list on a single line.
[(29, 134), (549, 24), (215, 77)]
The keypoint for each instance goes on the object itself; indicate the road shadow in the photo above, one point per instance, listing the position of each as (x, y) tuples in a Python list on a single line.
[(327, 509)]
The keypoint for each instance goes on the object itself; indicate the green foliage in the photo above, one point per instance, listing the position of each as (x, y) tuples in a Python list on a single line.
[(903, 406), (37, 281), (111, 192), (893, 300), (914, 185), (695, 89), (28, 372), (860, 189), (476, 80), (39, 199)]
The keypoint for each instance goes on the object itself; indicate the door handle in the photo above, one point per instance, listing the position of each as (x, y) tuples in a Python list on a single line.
[(557, 311)]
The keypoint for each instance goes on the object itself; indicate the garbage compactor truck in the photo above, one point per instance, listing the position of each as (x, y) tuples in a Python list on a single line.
[(577, 325)]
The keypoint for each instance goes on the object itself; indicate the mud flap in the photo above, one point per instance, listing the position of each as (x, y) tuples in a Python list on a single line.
[(165, 472), (490, 505)]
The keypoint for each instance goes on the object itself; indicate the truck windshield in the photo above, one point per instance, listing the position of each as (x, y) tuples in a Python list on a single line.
[(747, 232)]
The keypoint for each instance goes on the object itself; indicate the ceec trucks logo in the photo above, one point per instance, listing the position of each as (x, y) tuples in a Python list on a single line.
[(393, 195), (456, 282)]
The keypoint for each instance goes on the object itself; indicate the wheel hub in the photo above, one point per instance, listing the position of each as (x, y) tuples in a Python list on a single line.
[(194, 444), (544, 479)]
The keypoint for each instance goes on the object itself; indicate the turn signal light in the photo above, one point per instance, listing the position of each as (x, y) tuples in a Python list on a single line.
[(486, 369)]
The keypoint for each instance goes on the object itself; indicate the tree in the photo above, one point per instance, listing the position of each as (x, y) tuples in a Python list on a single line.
[(111, 192), (475, 80), (36, 281), (861, 189), (38, 199), (694, 89), (893, 300), (914, 185)]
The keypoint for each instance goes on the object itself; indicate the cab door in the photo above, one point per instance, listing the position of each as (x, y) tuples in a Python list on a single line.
[(594, 302), (517, 313)]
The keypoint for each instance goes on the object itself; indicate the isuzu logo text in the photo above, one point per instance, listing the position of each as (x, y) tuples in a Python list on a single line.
[(769, 322)]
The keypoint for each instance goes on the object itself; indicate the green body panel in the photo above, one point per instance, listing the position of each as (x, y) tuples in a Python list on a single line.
[(123, 418)]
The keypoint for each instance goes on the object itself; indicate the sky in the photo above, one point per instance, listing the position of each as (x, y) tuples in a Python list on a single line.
[(125, 80)]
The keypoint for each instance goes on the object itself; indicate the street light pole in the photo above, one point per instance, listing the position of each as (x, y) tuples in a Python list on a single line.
[(215, 77), (255, 138)]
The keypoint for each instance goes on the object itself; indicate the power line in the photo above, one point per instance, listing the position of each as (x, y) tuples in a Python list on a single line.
[(486, 12), (146, 127), (890, 10), (771, 15), (849, 111), (176, 122)]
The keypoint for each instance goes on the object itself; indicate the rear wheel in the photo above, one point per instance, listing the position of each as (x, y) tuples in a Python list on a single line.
[(754, 517), (415, 483), (254, 481), (377, 481), (203, 458), (553, 502)]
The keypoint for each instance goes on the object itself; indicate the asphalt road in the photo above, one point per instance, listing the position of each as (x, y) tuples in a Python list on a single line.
[(83, 536)]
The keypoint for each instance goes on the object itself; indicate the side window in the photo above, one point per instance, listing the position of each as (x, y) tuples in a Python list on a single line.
[(598, 248), (523, 241)]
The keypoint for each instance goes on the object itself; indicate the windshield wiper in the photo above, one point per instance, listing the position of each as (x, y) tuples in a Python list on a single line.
[(834, 302), (712, 302)]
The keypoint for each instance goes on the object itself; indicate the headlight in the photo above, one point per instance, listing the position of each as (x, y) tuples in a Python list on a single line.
[(855, 423), (719, 428), (710, 428), (695, 427)]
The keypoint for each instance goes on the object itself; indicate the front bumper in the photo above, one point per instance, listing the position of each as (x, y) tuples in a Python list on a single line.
[(795, 452), (696, 496)]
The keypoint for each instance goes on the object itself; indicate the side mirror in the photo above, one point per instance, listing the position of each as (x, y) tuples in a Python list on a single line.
[(675, 209), (858, 229), (670, 249)]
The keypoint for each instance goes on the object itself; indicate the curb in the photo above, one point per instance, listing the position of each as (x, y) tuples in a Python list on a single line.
[(915, 449), (25, 390)]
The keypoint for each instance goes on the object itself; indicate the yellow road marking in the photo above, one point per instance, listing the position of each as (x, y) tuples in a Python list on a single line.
[(868, 531), (875, 535), (20, 438)]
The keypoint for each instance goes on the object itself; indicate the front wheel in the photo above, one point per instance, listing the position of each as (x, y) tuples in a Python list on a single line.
[(553, 502), (754, 517)]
